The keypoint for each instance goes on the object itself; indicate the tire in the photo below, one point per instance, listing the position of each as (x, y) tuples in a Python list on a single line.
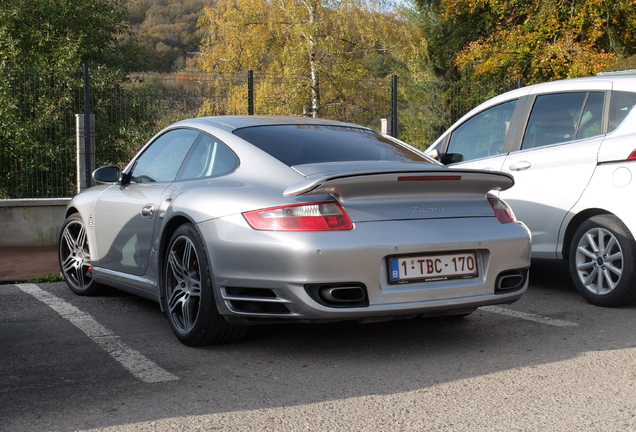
[(602, 262), (75, 258), (188, 295)]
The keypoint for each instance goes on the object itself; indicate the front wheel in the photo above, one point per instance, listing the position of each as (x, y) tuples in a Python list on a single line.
[(602, 263), (75, 258), (188, 295)]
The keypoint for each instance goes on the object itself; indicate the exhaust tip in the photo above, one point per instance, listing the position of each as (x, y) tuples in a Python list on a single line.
[(339, 295), (511, 280), (342, 294)]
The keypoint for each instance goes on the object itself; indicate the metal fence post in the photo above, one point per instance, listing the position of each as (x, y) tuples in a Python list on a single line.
[(82, 157), (250, 92), (394, 106), (385, 126), (88, 119)]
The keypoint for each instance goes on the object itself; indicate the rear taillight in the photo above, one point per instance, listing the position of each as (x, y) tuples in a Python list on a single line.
[(503, 212), (320, 216), (632, 155)]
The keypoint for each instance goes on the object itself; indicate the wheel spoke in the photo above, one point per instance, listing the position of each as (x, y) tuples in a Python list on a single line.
[(615, 270), (81, 238), (607, 248), (589, 280), (591, 241), (81, 280), (585, 251), (179, 272), (176, 299), (189, 314), (69, 240), (69, 264), (609, 282)]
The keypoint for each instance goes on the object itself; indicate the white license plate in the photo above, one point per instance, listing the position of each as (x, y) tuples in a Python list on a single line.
[(428, 268)]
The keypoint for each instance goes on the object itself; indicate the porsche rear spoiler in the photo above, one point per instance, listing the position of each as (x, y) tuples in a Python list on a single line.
[(388, 182)]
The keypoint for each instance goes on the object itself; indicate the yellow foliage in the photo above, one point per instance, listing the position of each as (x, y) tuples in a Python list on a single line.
[(308, 55), (543, 40)]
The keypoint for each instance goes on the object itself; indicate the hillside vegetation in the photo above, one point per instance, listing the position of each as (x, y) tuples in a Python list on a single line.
[(167, 31)]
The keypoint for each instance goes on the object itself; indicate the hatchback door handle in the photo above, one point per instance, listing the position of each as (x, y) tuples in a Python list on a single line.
[(520, 166)]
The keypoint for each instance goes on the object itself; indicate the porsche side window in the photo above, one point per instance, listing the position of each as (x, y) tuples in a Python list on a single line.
[(620, 105), (209, 158), (482, 135), (161, 161), (563, 117)]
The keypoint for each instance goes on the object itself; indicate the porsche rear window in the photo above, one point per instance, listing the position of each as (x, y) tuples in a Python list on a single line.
[(306, 144)]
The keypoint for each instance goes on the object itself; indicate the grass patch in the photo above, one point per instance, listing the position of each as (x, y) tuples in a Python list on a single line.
[(46, 279)]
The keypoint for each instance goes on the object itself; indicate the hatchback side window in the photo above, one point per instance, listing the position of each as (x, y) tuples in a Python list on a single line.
[(161, 161), (563, 117), (482, 135), (209, 158), (620, 105), (591, 122)]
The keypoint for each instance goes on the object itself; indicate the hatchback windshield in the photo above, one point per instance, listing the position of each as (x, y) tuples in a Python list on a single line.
[(305, 144)]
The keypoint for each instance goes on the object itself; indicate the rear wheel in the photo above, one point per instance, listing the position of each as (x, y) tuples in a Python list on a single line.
[(75, 258), (602, 263), (188, 295)]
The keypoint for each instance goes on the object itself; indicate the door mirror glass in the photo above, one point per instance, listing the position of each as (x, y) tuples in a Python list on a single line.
[(107, 174)]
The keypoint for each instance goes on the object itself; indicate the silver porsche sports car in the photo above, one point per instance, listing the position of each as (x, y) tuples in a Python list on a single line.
[(233, 221)]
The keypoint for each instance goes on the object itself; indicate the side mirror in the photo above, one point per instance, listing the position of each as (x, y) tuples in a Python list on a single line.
[(451, 158), (107, 174)]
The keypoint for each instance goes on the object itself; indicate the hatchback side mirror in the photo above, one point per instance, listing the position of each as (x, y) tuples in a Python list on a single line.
[(451, 158), (107, 174)]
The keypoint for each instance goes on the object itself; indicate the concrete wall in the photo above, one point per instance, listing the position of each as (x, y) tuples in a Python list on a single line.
[(34, 222)]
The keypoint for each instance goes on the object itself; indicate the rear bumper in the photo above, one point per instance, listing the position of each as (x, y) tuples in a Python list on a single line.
[(264, 276)]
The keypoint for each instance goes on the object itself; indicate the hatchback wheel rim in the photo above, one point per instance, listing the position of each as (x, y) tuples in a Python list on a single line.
[(599, 261), (75, 256), (184, 284)]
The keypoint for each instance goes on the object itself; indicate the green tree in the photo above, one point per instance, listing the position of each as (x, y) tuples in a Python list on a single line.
[(56, 33), (43, 44), (447, 34)]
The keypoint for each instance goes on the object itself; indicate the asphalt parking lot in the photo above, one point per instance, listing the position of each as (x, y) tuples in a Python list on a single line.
[(548, 362)]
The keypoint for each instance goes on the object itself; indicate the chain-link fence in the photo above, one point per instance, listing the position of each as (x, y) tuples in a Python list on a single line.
[(37, 114)]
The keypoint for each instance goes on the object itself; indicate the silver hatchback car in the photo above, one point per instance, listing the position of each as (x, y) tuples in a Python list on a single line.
[(571, 147), (232, 221)]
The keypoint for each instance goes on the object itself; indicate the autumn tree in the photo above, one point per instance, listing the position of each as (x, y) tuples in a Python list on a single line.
[(540, 40), (167, 31), (310, 54)]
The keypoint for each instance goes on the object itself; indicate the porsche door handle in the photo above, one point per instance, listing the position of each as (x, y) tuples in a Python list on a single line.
[(520, 166), (148, 211)]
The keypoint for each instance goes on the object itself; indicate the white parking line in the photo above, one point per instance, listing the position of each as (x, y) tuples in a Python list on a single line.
[(136, 363), (529, 317)]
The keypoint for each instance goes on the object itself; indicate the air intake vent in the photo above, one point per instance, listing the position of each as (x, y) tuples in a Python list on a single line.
[(256, 301)]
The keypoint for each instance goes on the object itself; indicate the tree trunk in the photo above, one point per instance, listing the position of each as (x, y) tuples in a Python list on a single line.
[(316, 107)]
